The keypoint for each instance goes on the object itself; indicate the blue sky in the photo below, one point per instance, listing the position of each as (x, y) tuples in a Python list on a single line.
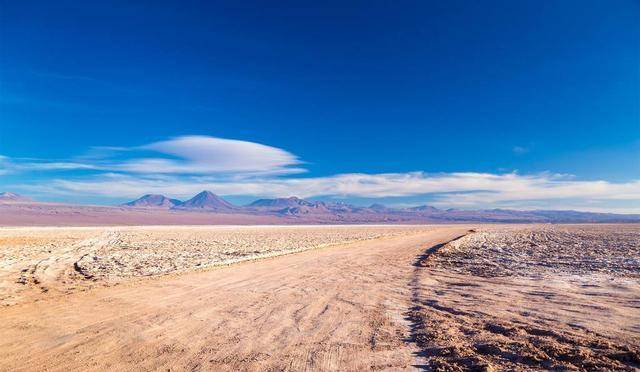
[(470, 105)]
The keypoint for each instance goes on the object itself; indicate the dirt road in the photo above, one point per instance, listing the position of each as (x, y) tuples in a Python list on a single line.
[(342, 307)]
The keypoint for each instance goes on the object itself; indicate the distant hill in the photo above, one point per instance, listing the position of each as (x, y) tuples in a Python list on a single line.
[(575, 216), (292, 206), (378, 207), (424, 209), (281, 203), (9, 197), (206, 200), (153, 201), (341, 207)]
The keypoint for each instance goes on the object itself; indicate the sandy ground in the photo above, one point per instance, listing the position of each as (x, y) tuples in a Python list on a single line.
[(39, 262), (337, 308), (382, 298)]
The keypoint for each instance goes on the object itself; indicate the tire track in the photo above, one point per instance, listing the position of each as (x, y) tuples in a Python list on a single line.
[(60, 273)]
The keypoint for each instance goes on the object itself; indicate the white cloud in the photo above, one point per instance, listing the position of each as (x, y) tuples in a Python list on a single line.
[(467, 190), (60, 165), (205, 155), (196, 155), (8, 165)]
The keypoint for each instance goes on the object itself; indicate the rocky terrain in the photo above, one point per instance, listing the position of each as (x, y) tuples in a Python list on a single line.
[(537, 251), (533, 297)]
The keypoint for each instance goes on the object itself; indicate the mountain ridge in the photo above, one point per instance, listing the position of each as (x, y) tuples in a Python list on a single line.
[(206, 200), (153, 201), (10, 197), (298, 210)]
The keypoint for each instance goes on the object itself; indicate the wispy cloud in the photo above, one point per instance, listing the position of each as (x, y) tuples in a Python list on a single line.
[(53, 75), (3, 165), (26, 165), (519, 150)]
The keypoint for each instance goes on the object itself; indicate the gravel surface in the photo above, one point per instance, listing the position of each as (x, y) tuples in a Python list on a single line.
[(540, 250)]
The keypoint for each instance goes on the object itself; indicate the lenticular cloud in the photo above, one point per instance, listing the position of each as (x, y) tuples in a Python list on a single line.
[(204, 155)]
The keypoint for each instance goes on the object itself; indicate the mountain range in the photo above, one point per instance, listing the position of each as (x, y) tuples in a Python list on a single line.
[(332, 211), (209, 208)]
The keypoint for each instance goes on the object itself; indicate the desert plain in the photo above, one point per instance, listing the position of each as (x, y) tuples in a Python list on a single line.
[(349, 297)]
